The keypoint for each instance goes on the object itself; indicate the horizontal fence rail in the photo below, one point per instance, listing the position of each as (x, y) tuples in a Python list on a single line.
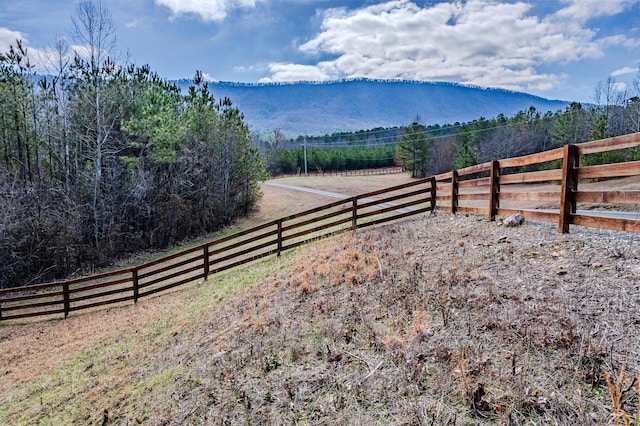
[(499, 187), (506, 187), (200, 262)]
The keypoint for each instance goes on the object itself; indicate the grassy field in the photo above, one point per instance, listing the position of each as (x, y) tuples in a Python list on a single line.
[(432, 320)]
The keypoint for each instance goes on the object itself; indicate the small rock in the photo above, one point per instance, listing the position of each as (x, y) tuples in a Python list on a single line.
[(515, 220)]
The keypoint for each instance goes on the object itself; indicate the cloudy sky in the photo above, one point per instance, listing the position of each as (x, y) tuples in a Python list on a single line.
[(558, 49)]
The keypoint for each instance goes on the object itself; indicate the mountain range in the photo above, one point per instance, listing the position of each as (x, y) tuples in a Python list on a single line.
[(310, 108)]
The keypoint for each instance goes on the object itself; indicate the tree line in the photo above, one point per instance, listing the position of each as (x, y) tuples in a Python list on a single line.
[(531, 131), (425, 150), (99, 159)]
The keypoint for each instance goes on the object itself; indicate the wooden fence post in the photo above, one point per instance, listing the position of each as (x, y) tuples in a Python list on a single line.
[(454, 191), (569, 187), (66, 298), (279, 236), (494, 188), (206, 261), (432, 182), (354, 214), (134, 273)]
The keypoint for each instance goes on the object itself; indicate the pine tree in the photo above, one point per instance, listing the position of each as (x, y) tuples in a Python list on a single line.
[(413, 149)]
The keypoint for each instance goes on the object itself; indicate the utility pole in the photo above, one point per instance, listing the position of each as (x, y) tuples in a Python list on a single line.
[(305, 155)]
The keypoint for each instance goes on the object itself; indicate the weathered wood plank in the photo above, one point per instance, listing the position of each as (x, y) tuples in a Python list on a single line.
[(395, 188), (101, 294), (475, 169), (443, 176), (616, 224), (100, 285), (530, 177), (526, 160), (246, 251), (474, 210), (630, 168), (531, 196), (317, 228), (610, 144), (33, 305), (618, 197), (388, 199), (241, 243), (315, 219), (168, 277), (173, 266), (22, 297), (478, 196), (474, 182)]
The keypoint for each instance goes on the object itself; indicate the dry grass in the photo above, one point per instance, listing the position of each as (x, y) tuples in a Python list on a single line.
[(400, 324), (436, 320)]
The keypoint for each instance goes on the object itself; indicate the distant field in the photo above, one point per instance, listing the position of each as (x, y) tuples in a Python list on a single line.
[(278, 202)]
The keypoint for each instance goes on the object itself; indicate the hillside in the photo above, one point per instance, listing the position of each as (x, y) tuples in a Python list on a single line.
[(433, 320), (351, 105)]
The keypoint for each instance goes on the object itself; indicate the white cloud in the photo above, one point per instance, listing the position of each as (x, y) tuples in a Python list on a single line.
[(42, 59), (294, 72), (624, 71), (208, 10), (8, 38), (583, 10), (478, 42), (208, 77)]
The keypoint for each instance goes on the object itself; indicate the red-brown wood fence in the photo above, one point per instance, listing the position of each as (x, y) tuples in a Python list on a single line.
[(200, 262), (498, 187)]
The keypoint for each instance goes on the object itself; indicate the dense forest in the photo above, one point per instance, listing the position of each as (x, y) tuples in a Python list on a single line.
[(424, 150), (99, 159)]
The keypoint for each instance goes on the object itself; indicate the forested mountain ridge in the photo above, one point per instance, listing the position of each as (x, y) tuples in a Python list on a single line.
[(311, 108)]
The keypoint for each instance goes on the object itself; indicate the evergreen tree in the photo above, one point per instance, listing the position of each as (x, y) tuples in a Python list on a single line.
[(413, 149)]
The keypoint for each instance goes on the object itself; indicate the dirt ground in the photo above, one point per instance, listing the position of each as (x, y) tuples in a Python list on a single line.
[(438, 319)]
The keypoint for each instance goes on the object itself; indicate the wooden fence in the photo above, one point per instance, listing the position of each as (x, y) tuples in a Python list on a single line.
[(356, 172), (200, 262), (510, 186), (501, 187)]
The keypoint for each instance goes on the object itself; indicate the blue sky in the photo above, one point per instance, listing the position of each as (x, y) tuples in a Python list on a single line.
[(559, 49)]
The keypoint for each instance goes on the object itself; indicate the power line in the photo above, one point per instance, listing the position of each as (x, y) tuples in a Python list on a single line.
[(394, 139)]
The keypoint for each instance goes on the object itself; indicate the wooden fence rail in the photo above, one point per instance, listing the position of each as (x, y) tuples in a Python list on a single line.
[(504, 187), (200, 262), (499, 187)]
